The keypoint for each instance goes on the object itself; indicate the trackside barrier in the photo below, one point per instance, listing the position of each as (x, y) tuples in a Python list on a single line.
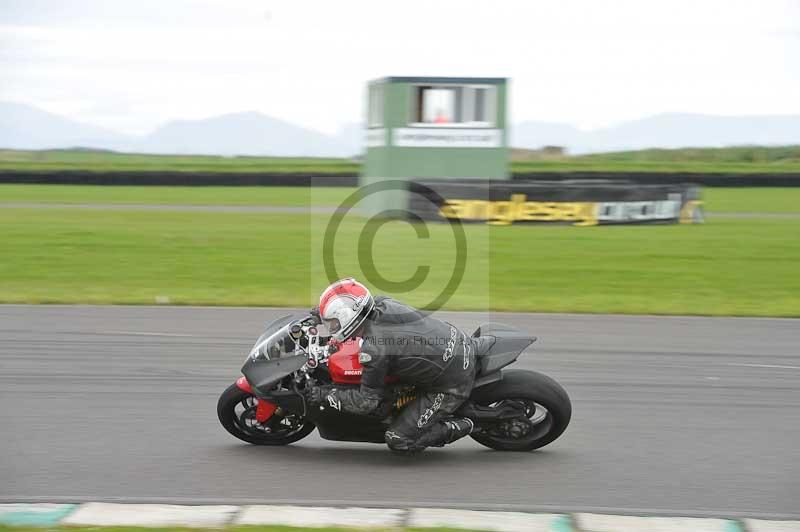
[(579, 203)]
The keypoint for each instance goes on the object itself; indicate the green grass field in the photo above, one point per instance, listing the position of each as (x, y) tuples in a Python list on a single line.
[(725, 267), (719, 160), (277, 196), (100, 161), (783, 155), (589, 164), (770, 200)]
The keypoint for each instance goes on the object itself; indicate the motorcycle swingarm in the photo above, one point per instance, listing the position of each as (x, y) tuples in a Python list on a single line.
[(483, 414)]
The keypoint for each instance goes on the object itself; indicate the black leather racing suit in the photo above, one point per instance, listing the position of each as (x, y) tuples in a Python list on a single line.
[(418, 349)]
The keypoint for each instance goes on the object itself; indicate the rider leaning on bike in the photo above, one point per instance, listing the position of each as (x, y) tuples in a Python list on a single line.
[(397, 340)]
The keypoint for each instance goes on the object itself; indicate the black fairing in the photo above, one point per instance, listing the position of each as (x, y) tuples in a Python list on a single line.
[(502, 346), (288, 400), (263, 375), (341, 426), (331, 423)]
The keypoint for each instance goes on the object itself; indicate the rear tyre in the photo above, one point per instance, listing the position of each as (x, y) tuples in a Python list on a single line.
[(236, 410), (545, 403)]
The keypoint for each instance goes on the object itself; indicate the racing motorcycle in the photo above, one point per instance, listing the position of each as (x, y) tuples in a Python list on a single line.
[(513, 410)]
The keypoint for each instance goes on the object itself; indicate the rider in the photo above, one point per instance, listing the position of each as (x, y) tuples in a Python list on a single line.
[(406, 343)]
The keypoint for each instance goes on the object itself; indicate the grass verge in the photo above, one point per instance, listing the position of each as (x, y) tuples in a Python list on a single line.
[(104, 161), (769, 200), (740, 267), (589, 164), (277, 196), (753, 159)]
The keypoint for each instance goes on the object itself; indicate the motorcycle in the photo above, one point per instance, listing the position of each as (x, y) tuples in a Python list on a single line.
[(513, 410)]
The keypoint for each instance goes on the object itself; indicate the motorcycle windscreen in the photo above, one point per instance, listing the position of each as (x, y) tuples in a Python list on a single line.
[(272, 327), (264, 374), (273, 357)]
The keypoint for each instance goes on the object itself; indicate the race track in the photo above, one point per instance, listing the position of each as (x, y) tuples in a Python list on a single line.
[(692, 416)]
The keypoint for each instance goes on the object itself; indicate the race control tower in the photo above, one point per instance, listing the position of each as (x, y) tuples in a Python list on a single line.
[(433, 128)]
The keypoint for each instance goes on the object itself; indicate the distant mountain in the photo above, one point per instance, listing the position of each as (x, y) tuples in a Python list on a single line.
[(252, 133), (351, 138), (27, 127), (679, 130), (248, 133), (668, 130)]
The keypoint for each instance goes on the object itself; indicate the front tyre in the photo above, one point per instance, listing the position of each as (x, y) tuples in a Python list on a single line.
[(546, 406), (236, 410)]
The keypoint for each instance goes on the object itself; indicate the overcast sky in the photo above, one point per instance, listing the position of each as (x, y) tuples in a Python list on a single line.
[(131, 65)]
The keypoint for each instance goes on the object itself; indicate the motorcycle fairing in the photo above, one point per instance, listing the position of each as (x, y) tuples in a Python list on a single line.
[(264, 409), (503, 346), (332, 424), (343, 365), (341, 426), (263, 375)]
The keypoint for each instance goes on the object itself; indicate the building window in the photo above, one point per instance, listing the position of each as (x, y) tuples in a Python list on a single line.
[(375, 106), (438, 105), (454, 106)]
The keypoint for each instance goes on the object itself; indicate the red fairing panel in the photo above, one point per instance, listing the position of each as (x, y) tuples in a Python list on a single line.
[(264, 409), (243, 385), (344, 365)]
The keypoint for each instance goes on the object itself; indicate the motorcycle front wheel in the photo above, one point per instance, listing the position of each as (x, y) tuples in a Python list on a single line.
[(545, 411), (236, 410)]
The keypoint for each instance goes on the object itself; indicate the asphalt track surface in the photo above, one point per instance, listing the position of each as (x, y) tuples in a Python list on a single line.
[(687, 416)]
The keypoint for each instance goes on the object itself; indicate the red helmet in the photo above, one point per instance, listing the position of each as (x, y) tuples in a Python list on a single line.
[(344, 306)]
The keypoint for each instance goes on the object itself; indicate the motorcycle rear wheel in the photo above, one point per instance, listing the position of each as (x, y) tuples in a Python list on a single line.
[(236, 410), (547, 411)]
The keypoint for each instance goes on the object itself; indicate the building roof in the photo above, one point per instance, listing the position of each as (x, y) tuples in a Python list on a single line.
[(439, 79)]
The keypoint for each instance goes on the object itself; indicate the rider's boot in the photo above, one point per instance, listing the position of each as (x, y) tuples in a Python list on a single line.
[(457, 428)]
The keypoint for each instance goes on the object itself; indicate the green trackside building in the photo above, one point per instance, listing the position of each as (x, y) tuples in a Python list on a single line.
[(433, 128)]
